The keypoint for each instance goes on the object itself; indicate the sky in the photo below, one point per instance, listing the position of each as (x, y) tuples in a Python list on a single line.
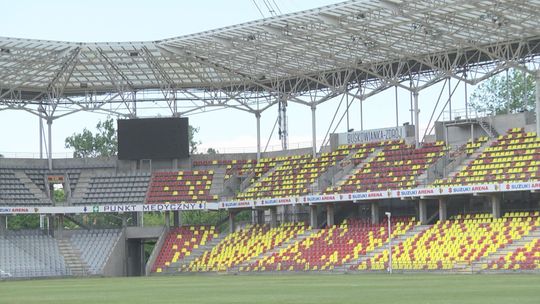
[(106, 20)]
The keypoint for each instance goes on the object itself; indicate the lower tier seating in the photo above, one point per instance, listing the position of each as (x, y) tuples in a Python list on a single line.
[(27, 254), (332, 247), (523, 258), (95, 247), (452, 244), (180, 242), (243, 245)]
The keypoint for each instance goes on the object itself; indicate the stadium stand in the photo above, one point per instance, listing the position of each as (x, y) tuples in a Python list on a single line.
[(180, 242), (181, 187), (38, 176), (95, 247), (473, 146), (453, 244), (396, 167), (238, 167), (30, 254), (293, 175), (332, 246), (526, 257), (117, 189), (244, 245), (513, 157), (13, 191)]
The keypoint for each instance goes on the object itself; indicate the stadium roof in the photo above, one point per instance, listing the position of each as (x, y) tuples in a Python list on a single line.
[(373, 43)]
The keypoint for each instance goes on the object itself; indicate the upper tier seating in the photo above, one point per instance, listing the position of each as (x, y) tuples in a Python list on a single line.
[(293, 175), (38, 176), (332, 247), (453, 243), (472, 146), (514, 157), (240, 167), (25, 254), (523, 258), (117, 189), (396, 167), (180, 242), (95, 247), (181, 187), (243, 245), (13, 191)]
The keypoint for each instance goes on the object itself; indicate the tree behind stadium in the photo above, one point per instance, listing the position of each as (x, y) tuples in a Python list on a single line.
[(505, 93)]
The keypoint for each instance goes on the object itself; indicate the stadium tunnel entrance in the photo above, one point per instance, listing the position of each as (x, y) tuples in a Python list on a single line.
[(140, 242)]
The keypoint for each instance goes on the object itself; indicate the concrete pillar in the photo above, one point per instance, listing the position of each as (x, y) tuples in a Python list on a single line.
[(496, 206), (140, 218), (3, 222), (60, 226), (330, 215), (313, 216), (167, 219), (124, 220), (231, 221), (422, 211), (177, 219), (537, 78), (443, 214), (51, 224), (260, 216), (273, 217), (374, 213)]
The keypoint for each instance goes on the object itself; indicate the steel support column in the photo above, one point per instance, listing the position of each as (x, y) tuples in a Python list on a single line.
[(537, 78), (40, 137), (49, 130), (258, 117), (313, 131), (416, 120)]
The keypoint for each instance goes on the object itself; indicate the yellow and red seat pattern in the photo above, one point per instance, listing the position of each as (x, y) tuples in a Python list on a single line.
[(473, 146), (294, 174), (448, 244), (239, 167), (396, 167), (514, 157), (332, 247), (180, 242), (180, 187), (243, 245), (523, 258)]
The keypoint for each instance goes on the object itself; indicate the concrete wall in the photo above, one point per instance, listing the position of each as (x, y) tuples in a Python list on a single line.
[(458, 135), (156, 250), (116, 263), (143, 232)]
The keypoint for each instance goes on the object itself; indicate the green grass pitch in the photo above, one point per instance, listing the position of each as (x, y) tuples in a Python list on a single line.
[(286, 289)]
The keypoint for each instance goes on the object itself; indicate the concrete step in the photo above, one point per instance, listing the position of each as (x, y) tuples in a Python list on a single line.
[(32, 187), (72, 258), (340, 179), (83, 185)]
